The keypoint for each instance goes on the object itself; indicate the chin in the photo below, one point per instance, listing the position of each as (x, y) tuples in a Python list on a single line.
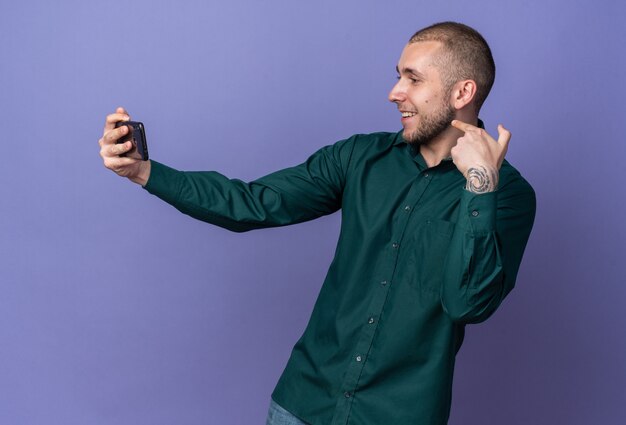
[(411, 137), (412, 141)]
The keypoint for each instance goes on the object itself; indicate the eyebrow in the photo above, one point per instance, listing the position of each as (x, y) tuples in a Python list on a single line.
[(410, 71)]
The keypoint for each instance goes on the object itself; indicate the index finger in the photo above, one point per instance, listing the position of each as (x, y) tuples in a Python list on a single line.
[(112, 136), (119, 115), (463, 126)]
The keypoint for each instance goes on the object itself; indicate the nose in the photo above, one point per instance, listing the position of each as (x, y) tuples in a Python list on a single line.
[(397, 93)]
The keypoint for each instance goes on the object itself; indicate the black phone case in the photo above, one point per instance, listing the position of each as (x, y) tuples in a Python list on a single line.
[(137, 135)]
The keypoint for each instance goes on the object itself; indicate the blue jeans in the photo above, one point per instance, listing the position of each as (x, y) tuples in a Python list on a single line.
[(279, 416)]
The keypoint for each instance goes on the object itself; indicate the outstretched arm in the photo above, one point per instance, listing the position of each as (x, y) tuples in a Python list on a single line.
[(309, 190)]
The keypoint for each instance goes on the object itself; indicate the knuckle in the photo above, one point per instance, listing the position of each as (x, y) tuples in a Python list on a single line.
[(113, 135), (111, 151), (114, 166)]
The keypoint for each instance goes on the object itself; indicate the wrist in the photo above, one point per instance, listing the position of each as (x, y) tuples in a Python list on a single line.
[(141, 178), (481, 179)]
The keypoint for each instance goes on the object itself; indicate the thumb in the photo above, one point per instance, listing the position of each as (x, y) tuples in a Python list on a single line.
[(504, 136)]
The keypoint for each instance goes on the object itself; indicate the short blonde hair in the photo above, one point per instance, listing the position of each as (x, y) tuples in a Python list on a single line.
[(465, 55)]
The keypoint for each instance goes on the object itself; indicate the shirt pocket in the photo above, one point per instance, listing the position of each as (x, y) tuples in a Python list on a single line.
[(428, 247)]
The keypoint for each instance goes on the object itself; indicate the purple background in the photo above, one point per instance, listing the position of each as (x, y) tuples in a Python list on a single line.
[(117, 309)]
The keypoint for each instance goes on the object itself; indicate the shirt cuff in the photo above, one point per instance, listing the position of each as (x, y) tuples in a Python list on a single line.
[(477, 212), (164, 182)]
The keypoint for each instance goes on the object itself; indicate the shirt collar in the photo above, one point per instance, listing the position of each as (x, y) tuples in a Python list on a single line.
[(445, 162)]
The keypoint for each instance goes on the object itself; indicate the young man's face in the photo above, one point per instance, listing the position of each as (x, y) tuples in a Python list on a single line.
[(420, 95)]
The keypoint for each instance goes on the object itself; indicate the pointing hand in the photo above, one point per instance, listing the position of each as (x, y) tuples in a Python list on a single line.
[(478, 156)]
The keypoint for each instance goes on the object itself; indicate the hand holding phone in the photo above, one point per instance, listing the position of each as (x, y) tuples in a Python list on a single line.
[(137, 135), (118, 126)]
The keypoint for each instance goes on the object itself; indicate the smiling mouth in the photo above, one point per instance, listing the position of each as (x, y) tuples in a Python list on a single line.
[(408, 114)]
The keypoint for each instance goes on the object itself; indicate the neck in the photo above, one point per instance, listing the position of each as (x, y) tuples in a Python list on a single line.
[(438, 148)]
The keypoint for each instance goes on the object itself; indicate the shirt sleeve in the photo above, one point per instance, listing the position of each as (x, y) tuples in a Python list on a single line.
[(486, 250), (304, 192)]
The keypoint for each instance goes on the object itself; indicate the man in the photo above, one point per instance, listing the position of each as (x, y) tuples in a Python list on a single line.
[(434, 225)]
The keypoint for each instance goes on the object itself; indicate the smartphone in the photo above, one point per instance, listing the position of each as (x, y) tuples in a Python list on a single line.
[(137, 135)]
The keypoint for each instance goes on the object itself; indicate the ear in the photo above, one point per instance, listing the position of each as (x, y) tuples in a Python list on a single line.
[(463, 93)]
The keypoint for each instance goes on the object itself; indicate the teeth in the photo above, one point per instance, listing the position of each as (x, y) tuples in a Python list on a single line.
[(408, 114)]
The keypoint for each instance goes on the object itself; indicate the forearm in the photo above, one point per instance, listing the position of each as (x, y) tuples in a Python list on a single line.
[(486, 251), (472, 281)]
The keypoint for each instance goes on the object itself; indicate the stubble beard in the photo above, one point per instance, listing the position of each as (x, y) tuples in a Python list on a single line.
[(431, 125)]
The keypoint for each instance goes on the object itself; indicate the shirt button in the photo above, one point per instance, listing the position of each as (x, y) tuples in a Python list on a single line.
[(395, 245), (407, 208), (426, 175), (475, 213), (384, 282), (347, 394), (371, 320), (359, 358)]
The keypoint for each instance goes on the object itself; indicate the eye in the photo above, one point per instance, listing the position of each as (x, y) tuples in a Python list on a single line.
[(411, 79)]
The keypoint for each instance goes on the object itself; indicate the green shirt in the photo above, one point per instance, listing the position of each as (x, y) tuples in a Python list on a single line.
[(418, 257)]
